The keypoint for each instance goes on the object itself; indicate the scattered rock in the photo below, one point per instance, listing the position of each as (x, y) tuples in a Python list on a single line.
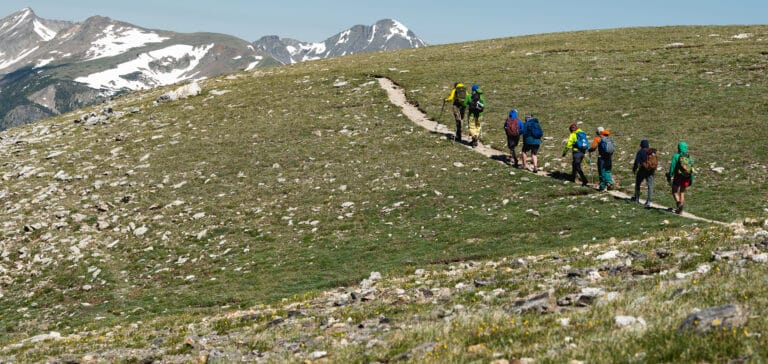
[(541, 303), (629, 322), (713, 318)]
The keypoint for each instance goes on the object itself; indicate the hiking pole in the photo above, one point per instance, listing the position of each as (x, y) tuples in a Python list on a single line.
[(442, 110)]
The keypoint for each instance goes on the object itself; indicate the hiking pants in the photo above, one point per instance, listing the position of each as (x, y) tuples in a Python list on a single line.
[(458, 115), (474, 125), (604, 170), (578, 156), (648, 177)]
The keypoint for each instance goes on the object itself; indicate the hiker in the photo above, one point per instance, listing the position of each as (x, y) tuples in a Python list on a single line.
[(644, 169), (459, 97), (578, 144), (513, 128), (532, 134), (476, 105), (603, 144), (680, 175)]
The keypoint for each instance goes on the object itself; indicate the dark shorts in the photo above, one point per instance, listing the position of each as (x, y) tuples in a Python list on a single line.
[(533, 148), (682, 181), (513, 141)]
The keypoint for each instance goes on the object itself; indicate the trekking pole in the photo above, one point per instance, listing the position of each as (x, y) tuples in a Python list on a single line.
[(442, 110)]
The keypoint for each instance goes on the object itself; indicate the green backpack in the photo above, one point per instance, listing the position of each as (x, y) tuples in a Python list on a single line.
[(685, 166)]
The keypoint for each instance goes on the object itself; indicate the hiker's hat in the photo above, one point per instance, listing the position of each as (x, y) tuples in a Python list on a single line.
[(600, 130), (475, 87), (513, 113), (573, 127)]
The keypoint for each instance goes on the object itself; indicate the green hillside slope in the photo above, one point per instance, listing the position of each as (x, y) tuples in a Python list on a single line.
[(300, 178)]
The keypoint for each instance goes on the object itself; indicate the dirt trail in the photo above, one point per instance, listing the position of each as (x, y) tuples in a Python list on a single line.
[(397, 97)]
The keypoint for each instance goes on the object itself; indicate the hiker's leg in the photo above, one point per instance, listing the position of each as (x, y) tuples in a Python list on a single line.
[(535, 156), (578, 157), (607, 167), (682, 195), (650, 188), (522, 156), (638, 180), (457, 115), (676, 194), (601, 173), (479, 125), (574, 167)]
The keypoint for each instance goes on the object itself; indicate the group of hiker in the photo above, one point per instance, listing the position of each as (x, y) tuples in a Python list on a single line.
[(679, 176)]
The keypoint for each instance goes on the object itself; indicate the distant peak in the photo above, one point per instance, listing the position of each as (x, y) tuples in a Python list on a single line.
[(23, 13)]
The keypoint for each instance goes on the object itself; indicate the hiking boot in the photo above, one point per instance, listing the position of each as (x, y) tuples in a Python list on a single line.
[(634, 199), (535, 170), (679, 209), (647, 204), (609, 186)]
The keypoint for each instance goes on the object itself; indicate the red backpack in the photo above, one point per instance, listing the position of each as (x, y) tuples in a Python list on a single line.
[(512, 126)]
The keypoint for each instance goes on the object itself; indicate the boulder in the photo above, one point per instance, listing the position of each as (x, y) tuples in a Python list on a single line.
[(714, 318)]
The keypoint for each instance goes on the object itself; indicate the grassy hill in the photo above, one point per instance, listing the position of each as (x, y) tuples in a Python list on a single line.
[(277, 184)]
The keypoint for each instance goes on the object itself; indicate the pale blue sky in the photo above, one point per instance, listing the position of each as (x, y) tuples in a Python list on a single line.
[(437, 22)]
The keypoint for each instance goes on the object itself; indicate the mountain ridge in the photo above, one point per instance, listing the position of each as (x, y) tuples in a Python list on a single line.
[(78, 64), (385, 34)]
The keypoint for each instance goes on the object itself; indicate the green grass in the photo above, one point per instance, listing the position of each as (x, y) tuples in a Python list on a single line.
[(288, 184)]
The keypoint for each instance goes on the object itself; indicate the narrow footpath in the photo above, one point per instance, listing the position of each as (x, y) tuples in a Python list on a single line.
[(397, 97)]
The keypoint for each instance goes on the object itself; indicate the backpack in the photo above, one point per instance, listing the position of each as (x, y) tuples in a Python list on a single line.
[(605, 146), (512, 126), (533, 129), (461, 94), (582, 143), (685, 166), (475, 105), (651, 162)]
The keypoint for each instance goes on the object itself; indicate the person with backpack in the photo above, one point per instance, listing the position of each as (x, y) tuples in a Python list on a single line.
[(476, 105), (578, 144), (513, 128), (680, 174), (644, 169), (532, 135), (458, 97), (604, 146)]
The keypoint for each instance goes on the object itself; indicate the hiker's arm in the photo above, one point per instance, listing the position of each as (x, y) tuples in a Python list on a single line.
[(569, 143), (673, 165), (595, 142), (451, 96), (637, 163)]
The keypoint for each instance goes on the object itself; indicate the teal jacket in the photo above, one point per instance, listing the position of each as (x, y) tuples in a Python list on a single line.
[(682, 148)]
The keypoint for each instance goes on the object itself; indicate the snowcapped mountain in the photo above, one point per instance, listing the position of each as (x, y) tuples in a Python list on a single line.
[(48, 67), (385, 35)]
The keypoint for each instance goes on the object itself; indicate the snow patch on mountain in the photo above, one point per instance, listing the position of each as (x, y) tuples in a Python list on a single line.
[(344, 37), (156, 68), (119, 40), (43, 62), (7, 63), (397, 29), (16, 20), (254, 64), (44, 32)]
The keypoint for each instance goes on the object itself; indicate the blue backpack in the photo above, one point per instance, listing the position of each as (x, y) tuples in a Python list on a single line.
[(533, 129), (582, 143)]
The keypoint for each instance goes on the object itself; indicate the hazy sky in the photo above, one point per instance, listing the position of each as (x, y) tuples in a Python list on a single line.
[(436, 22)]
